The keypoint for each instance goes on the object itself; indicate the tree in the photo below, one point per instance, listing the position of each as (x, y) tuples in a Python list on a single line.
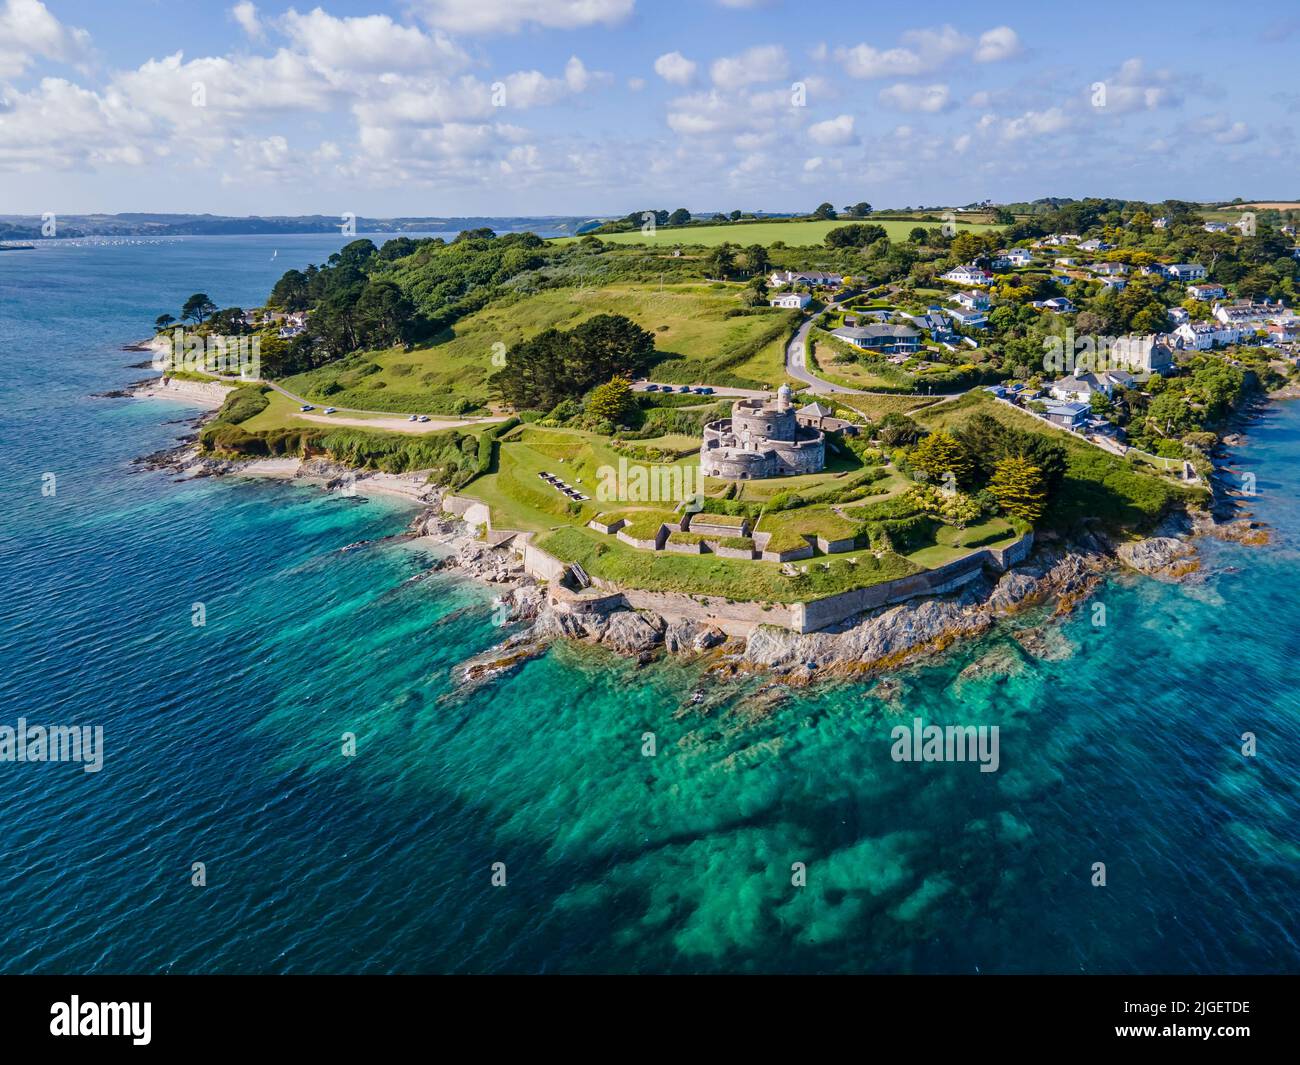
[(757, 259), (723, 261), (941, 456), (824, 212), (679, 217), (898, 430), (1017, 485), (755, 293), (858, 235), (162, 322), (197, 308), (735, 216), (610, 402), (917, 235), (858, 210)]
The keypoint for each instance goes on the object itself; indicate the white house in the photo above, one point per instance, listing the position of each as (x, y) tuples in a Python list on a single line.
[(811, 278), (1160, 223), (971, 301), (1067, 260), (1081, 387), (1019, 257), (1178, 315), (1205, 292), (1252, 315), (967, 275), (1201, 336), (1095, 245), (1059, 304), (1109, 269), (1116, 283), (795, 301), (1216, 227), (1185, 271), (970, 319)]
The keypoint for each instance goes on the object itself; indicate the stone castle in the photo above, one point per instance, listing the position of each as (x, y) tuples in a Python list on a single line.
[(762, 438)]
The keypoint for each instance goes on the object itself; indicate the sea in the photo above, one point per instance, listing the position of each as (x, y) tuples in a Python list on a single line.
[(294, 781)]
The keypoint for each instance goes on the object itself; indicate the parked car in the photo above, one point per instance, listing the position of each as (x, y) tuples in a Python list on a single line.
[(424, 417), (413, 418), (706, 391), (684, 388), (330, 410), (306, 407), (652, 388)]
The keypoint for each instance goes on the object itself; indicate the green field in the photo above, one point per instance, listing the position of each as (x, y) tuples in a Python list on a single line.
[(794, 234), (697, 341)]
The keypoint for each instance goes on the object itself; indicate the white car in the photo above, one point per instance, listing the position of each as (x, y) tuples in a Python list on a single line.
[(330, 410), (424, 417), (413, 418)]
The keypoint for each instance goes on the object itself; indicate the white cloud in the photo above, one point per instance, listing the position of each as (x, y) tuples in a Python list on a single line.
[(28, 31), (925, 51), (510, 16), (245, 13), (1034, 124), (1133, 88), (763, 63), (833, 131), (675, 68), (812, 164), (1222, 130), (997, 44), (927, 99), (369, 42), (636, 84)]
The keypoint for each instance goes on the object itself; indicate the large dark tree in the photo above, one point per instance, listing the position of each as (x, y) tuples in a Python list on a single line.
[(197, 308)]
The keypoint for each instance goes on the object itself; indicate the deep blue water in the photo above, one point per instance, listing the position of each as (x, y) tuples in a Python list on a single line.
[(222, 743)]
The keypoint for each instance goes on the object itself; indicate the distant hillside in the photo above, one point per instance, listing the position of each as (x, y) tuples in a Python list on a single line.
[(28, 227)]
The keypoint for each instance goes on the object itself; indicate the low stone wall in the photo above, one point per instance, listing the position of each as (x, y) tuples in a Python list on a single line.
[(735, 619), (836, 547), (808, 617), (656, 544), (793, 554), (470, 511), (543, 565), (684, 549), (729, 552)]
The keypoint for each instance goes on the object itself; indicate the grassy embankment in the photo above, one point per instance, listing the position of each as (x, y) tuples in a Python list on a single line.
[(696, 339)]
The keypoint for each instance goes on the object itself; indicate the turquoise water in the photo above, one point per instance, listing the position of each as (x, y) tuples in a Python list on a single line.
[(223, 742)]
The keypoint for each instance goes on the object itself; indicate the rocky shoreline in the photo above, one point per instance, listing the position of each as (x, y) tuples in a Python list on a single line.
[(1054, 579)]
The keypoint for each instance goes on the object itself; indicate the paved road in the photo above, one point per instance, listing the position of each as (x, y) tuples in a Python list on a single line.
[(378, 419), (796, 359)]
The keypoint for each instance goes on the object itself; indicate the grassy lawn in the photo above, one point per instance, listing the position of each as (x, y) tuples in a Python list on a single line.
[(607, 558), (952, 544), (698, 342), (874, 408), (800, 234), (839, 367), (520, 499)]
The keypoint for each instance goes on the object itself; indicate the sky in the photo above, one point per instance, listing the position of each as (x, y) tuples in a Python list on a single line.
[(603, 107)]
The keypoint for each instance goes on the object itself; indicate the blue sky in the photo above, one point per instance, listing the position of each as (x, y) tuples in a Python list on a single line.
[(608, 106)]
